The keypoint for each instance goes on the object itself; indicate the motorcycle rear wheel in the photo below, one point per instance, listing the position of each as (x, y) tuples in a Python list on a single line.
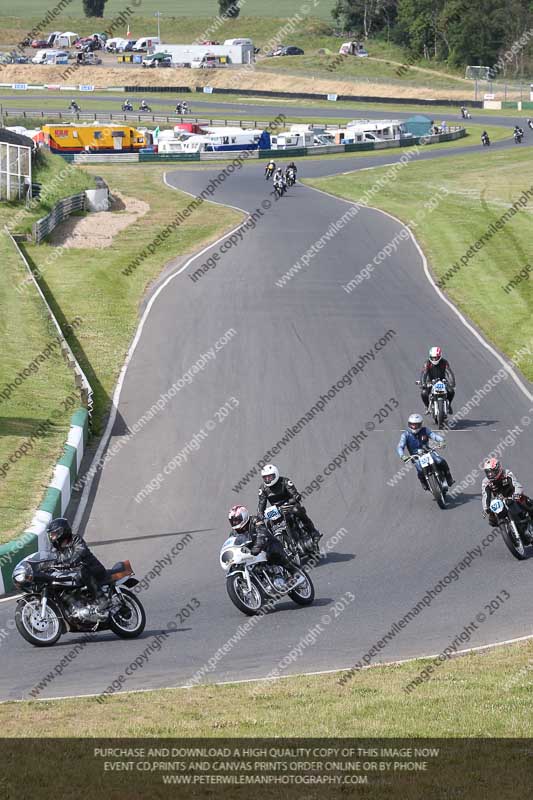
[(125, 630), (304, 594)]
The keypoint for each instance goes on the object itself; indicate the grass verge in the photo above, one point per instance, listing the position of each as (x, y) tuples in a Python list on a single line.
[(29, 343), (482, 694), (480, 189)]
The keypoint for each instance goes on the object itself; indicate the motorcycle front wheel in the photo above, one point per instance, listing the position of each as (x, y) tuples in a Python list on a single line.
[(436, 490), (39, 632), (440, 412), (517, 549), (249, 602)]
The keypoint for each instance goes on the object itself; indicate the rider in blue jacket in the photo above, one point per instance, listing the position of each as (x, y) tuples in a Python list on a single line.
[(416, 438)]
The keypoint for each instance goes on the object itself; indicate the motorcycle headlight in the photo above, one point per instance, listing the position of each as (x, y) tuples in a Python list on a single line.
[(23, 573), (227, 557)]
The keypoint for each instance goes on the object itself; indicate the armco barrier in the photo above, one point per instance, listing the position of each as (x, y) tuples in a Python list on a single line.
[(154, 157), (54, 504), (62, 209)]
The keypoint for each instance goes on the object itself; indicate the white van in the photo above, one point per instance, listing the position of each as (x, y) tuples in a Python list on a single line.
[(145, 42), (233, 42), (116, 44), (42, 56)]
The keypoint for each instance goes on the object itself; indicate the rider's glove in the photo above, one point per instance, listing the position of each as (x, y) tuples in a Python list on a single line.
[(442, 445), (405, 458)]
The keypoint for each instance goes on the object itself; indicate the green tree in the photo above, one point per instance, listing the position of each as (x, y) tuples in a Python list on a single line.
[(94, 8), (367, 16), (229, 8), (468, 41), (419, 27)]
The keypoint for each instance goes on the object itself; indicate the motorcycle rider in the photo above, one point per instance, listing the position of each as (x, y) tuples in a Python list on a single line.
[(74, 106), (72, 552), (278, 490), (416, 438), (143, 105), (270, 167), (292, 166), (500, 481), (436, 368), (530, 124), (279, 179), (518, 133), (485, 138), (260, 538)]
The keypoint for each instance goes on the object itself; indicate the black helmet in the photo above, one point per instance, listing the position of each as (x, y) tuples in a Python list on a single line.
[(59, 532)]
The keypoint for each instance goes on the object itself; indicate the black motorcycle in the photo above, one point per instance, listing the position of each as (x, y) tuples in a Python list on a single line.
[(127, 107), (74, 107), (145, 108), (515, 525), (438, 401), (286, 526), (56, 601), (485, 141), (291, 177), (518, 135)]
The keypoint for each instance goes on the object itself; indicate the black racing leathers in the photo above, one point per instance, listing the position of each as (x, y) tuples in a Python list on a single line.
[(77, 554), (284, 491), (260, 538), (436, 372), (507, 486)]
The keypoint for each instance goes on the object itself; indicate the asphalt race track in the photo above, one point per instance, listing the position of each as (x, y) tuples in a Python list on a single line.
[(290, 345)]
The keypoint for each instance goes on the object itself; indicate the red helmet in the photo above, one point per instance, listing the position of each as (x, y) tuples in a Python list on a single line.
[(435, 355), (493, 469), (238, 517)]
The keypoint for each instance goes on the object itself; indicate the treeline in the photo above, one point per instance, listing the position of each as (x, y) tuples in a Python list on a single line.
[(490, 33)]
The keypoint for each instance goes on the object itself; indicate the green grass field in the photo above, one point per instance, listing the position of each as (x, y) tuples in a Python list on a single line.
[(185, 8), (480, 188)]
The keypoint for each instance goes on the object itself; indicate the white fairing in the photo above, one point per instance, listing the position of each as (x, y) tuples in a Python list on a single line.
[(232, 554)]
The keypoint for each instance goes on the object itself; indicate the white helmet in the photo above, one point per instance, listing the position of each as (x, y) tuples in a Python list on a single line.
[(435, 355), (414, 423), (270, 474)]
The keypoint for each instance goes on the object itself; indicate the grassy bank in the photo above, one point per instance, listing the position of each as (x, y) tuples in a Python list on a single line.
[(480, 188), (483, 694), (26, 334)]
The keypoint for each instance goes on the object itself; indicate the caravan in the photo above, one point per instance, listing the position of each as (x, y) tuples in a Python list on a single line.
[(226, 139)]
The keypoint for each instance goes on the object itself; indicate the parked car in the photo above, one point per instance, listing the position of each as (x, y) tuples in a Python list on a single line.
[(158, 60), (292, 51), (38, 43)]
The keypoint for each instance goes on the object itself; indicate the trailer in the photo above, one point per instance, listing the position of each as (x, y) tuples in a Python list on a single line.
[(187, 53), (95, 137)]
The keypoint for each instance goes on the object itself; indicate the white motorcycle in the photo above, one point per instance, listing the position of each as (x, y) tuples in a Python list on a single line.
[(252, 583)]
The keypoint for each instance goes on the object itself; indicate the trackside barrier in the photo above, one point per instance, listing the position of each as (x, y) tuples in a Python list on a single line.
[(54, 504), (62, 209)]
